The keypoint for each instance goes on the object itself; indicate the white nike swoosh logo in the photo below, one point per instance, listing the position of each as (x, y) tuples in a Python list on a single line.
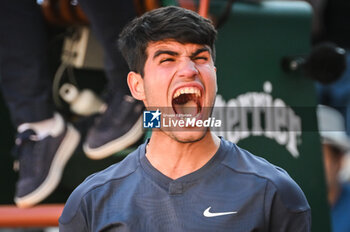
[(206, 213)]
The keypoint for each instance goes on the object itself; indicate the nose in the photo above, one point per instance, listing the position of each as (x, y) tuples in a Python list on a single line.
[(187, 69)]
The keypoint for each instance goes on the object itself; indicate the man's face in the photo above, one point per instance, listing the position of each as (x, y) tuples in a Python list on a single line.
[(182, 78)]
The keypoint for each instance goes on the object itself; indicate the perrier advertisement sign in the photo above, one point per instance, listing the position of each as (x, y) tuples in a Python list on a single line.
[(264, 110)]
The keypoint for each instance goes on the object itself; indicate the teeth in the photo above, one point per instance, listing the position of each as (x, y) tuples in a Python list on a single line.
[(187, 90)]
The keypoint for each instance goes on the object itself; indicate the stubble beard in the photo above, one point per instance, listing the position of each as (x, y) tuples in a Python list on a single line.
[(188, 140)]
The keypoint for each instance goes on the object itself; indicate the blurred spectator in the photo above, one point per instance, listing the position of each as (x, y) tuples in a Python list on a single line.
[(332, 23), (45, 142), (335, 145), (345, 171)]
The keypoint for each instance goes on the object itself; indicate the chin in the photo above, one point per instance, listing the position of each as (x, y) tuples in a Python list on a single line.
[(189, 136)]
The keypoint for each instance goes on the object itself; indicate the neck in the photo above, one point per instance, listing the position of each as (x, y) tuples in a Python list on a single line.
[(175, 159)]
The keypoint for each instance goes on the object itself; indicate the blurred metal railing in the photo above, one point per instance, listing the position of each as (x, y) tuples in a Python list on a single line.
[(38, 216)]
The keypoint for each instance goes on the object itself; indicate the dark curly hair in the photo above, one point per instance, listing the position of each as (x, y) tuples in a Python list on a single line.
[(174, 23)]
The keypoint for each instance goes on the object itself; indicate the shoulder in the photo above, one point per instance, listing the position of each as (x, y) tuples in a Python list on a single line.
[(116, 172), (278, 180)]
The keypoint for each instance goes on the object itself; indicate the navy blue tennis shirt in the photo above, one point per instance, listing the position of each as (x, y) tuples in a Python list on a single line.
[(235, 191)]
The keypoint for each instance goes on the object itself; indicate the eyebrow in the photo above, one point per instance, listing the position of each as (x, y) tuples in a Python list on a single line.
[(172, 53), (199, 51), (161, 52)]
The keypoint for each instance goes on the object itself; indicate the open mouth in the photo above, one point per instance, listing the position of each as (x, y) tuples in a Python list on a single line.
[(187, 101)]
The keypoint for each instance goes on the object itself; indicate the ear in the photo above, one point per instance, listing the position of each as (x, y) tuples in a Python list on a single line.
[(135, 83)]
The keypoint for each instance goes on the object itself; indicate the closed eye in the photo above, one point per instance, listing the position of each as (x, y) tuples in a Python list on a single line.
[(166, 60), (201, 58)]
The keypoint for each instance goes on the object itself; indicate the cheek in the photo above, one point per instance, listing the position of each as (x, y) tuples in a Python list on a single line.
[(208, 72), (156, 90), (161, 78), (209, 69)]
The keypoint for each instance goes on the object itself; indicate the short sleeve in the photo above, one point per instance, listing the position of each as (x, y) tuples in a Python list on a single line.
[(284, 220), (288, 213), (76, 224), (73, 217)]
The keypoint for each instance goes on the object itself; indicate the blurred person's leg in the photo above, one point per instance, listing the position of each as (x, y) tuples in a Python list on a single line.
[(119, 126), (44, 142), (24, 68), (107, 19)]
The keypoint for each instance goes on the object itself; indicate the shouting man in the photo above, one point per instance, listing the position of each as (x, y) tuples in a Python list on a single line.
[(183, 179)]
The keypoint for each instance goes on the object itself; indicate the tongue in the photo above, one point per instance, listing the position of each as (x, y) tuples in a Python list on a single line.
[(188, 108)]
